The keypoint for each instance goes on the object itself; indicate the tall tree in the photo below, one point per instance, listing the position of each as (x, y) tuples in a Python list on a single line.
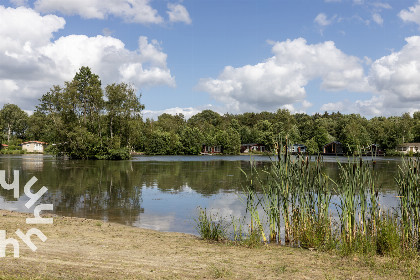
[(14, 120), (122, 107), (89, 95)]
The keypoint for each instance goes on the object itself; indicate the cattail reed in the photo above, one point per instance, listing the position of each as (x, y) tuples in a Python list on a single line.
[(298, 199)]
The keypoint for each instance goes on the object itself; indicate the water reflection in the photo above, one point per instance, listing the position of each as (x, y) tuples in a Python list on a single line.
[(161, 193)]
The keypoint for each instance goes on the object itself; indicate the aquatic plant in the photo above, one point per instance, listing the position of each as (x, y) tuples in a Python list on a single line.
[(211, 227), (408, 181), (301, 206)]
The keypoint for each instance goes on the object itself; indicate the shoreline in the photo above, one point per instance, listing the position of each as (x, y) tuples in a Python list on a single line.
[(78, 248)]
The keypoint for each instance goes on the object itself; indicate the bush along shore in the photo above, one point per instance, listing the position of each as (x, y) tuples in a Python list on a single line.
[(292, 202)]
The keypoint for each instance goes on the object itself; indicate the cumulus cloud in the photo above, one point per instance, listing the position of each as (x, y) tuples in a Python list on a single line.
[(397, 75), (394, 83), (281, 79), (178, 13), (31, 62), (412, 14), (138, 11)]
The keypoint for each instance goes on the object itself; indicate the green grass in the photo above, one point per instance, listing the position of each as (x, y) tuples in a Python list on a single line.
[(211, 227)]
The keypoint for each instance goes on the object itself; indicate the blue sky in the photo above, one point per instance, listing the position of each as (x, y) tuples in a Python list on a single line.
[(355, 56)]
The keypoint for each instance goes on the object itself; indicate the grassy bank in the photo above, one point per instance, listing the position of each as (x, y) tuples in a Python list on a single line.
[(87, 249)]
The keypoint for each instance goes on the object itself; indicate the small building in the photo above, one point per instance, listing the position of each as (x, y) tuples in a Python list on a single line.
[(333, 148), (209, 150), (373, 150), (297, 149), (409, 147), (34, 146), (247, 148)]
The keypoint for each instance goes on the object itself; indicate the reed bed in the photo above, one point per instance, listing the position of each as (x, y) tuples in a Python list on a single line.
[(293, 202)]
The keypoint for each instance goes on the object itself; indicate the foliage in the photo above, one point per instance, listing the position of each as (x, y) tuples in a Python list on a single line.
[(85, 126), (295, 196), (14, 121), (229, 140), (191, 140), (210, 227), (87, 121)]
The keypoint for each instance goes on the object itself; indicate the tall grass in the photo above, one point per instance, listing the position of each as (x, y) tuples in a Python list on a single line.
[(293, 202), (408, 181), (211, 227)]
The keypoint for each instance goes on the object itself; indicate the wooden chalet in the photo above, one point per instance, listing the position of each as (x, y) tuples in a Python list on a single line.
[(248, 148), (333, 148), (210, 150)]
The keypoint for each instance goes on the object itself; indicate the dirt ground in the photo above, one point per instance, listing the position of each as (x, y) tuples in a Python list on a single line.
[(88, 249)]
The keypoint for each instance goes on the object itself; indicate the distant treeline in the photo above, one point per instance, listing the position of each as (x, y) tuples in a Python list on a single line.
[(85, 121)]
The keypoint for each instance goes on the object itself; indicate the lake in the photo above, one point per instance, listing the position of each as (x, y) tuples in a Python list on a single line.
[(156, 192)]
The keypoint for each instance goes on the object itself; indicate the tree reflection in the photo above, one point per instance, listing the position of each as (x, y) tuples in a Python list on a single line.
[(112, 190)]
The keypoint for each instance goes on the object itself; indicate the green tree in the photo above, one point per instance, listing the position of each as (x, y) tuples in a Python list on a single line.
[(321, 136), (171, 123), (191, 140), (162, 143), (87, 126), (205, 119), (416, 126), (14, 121), (355, 136), (264, 129), (123, 109), (229, 140), (89, 96), (312, 146)]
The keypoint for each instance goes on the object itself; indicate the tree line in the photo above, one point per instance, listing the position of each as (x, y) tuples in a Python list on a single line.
[(84, 120)]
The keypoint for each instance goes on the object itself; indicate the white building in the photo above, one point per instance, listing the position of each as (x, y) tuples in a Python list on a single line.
[(34, 146), (409, 147)]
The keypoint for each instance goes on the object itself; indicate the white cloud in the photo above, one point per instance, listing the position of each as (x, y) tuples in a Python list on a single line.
[(138, 11), (394, 82), (412, 14), (332, 107), (380, 5), (322, 20), (178, 13), (398, 73), (187, 112), (281, 79), (306, 104), (378, 19), (31, 63)]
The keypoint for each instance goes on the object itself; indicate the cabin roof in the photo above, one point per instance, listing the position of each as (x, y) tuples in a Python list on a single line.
[(333, 142), (409, 144), (37, 142)]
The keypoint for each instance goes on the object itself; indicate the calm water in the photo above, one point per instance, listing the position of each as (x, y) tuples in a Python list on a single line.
[(160, 192)]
